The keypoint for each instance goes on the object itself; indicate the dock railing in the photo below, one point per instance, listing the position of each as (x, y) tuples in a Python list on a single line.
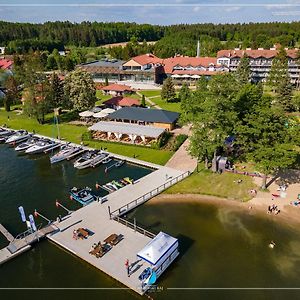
[(138, 201), (134, 227)]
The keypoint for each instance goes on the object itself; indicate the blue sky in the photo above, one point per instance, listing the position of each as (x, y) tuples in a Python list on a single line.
[(154, 11)]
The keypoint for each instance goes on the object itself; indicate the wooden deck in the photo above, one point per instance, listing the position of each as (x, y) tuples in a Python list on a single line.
[(6, 233), (95, 218)]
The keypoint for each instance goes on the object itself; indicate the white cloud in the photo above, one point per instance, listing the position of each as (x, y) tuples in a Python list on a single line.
[(232, 8)]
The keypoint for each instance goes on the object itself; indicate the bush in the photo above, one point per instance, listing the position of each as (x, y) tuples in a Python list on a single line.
[(179, 140), (87, 136)]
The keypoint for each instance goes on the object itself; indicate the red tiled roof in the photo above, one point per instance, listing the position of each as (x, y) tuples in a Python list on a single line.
[(148, 58), (122, 101), (5, 63), (184, 61), (255, 53), (116, 88)]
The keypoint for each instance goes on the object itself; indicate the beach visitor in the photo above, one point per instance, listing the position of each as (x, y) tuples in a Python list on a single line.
[(127, 267)]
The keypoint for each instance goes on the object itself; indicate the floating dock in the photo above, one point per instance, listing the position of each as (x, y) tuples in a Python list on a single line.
[(19, 245), (6, 233), (103, 220)]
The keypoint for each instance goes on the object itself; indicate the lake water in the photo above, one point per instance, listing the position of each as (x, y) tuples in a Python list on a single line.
[(220, 247)]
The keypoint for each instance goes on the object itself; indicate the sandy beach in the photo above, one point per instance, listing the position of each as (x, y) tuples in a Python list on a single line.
[(258, 205)]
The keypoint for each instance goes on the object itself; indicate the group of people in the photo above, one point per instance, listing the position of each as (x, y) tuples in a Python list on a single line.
[(273, 208)]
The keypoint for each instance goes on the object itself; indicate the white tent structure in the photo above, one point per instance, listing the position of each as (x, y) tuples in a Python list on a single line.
[(175, 76), (86, 114)]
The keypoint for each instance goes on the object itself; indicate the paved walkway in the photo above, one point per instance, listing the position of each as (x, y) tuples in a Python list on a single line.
[(182, 160), (149, 101)]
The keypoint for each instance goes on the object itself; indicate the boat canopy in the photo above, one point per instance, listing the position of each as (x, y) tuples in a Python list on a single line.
[(157, 248)]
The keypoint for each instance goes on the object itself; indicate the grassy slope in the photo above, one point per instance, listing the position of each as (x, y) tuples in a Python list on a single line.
[(73, 133), (208, 183)]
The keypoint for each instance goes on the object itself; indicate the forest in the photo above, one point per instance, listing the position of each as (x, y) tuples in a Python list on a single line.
[(22, 37)]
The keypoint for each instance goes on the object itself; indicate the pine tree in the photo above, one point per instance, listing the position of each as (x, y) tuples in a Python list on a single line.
[(57, 92), (184, 93), (279, 70), (243, 72), (284, 94), (12, 93), (168, 91), (143, 101)]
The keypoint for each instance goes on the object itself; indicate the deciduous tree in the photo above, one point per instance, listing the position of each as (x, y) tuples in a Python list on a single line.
[(80, 90)]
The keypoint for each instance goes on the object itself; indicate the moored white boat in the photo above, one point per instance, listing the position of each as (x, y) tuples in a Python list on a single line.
[(65, 152), (89, 159), (25, 145), (18, 137), (40, 146)]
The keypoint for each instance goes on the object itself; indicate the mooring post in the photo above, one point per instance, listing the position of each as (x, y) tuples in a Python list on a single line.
[(109, 212)]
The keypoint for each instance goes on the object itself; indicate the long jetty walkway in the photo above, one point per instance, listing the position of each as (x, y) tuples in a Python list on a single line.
[(104, 219), (22, 243), (6, 233)]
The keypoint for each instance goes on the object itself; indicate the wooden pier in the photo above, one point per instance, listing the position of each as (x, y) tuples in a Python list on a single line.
[(104, 220), (6, 233), (23, 243)]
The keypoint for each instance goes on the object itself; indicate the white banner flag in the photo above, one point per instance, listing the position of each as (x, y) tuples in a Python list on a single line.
[(32, 223), (22, 213)]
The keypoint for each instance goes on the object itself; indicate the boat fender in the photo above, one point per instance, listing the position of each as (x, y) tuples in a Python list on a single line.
[(71, 198)]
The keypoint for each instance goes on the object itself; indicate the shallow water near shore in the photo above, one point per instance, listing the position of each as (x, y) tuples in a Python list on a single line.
[(220, 247)]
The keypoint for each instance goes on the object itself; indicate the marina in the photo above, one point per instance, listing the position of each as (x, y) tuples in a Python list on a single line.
[(100, 220)]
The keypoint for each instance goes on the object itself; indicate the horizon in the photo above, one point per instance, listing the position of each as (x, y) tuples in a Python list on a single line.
[(145, 12)]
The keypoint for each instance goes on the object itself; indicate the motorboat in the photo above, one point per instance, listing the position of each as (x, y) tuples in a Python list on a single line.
[(119, 163), (99, 159), (25, 145), (4, 137), (5, 131), (107, 160), (82, 195), (18, 137), (65, 152), (40, 146), (90, 159)]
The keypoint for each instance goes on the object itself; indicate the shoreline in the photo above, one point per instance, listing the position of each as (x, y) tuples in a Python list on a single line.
[(288, 215)]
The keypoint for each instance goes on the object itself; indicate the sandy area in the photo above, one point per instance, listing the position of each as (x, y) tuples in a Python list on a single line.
[(256, 206)]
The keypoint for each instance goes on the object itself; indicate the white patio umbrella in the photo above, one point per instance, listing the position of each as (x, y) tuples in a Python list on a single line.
[(195, 76), (86, 114), (108, 110), (100, 115), (176, 76)]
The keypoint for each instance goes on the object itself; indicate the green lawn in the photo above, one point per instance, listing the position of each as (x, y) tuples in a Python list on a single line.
[(101, 97), (73, 133), (151, 93), (167, 105), (221, 185)]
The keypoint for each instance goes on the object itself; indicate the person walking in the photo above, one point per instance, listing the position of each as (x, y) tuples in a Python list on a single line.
[(127, 267)]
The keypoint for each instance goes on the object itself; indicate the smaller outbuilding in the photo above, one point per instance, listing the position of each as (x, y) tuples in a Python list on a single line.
[(119, 102), (116, 89), (145, 116)]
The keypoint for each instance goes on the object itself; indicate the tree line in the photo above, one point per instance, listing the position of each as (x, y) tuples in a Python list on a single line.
[(41, 93), (172, 39), (230, 106)]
